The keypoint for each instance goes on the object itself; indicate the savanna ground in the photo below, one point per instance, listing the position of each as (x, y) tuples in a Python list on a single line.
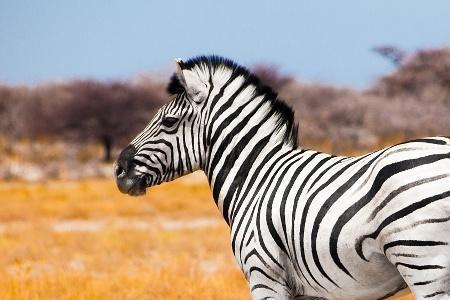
[(84, 240)]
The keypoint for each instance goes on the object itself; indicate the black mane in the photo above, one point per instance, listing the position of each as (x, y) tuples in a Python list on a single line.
[(279, 108)]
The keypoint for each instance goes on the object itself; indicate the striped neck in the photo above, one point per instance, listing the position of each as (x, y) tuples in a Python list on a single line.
[(243, 132)]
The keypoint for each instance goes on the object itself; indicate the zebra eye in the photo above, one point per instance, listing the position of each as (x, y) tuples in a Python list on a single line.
[(169, 121)]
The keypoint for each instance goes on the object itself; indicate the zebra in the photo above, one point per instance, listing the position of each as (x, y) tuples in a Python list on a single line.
[(303, 224)]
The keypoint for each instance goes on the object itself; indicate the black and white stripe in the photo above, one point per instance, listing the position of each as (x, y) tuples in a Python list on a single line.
[(303, 223)]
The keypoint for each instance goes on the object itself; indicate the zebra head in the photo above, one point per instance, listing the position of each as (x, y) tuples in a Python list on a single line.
[(219, 111), (171, 145)]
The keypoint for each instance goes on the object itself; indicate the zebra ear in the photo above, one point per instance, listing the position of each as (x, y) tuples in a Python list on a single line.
[(195, 88), (180, 67)]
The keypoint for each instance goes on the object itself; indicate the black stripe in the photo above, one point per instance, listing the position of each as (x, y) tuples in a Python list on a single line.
[(431, 221), (404, 255), (288, 189), (406, 211), (384, 174), (250, 238), (222, 89), (193, 140), (213, 118), (402, 189), (214, 102), (424, 282), (258, 217), (232, 156), (150, 168), (262, 286), (186, 152), (148, 157), (325, 171), (419, 267), (238, 181), (247, 225), (180, 161), (430, 141), (412, 243), (225, 141), (272, 230), (306, 209), (296, 200), (434, 294), (254, 177), (263, 272), (325, 207)]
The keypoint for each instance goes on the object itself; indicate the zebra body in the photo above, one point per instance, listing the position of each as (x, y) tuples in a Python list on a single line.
[(303, 223), (337, 242)]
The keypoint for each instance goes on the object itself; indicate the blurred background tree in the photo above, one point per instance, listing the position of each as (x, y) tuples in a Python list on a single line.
[(107, 113), (392, 53), (270, 75), (85, 111), (412, 101)]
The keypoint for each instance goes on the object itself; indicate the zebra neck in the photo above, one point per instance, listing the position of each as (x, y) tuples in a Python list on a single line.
[(243, 129), (233, 170)]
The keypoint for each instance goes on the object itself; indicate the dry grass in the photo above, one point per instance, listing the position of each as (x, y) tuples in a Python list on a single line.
[(84, 240)]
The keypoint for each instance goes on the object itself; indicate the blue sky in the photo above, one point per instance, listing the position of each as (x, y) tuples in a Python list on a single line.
[(327, 41)]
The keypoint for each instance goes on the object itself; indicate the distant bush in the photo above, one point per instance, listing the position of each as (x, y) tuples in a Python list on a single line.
[(269, 75), (12, 106), (392, 53), (81, 110), (425, 76), (338, 116), (106, 112), (413, 100)]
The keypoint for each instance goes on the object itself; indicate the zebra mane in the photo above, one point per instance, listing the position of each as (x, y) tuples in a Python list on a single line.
[(279, 108)]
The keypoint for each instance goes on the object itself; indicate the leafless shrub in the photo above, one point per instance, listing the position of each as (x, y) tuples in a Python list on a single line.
[(424, 76), (269, 75), (392, 53), (414, 100), (106, 112), (338, 115), (82, 110), (12, 104)]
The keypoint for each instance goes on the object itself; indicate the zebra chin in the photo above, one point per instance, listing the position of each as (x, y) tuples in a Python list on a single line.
[(134, 186), (128, 179)]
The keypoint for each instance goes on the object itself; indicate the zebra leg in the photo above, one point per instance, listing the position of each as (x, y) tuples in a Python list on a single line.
[(427, 278), (417, 241), (425, 268), (261, 287)]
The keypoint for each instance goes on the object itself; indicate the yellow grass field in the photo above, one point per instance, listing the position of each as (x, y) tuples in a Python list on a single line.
[(85, 240)]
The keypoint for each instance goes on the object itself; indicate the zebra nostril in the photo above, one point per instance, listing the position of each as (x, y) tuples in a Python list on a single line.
[(148, 180), (120, 172), (124, 161)]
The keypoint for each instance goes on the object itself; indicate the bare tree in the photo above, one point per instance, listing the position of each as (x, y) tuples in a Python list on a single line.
[(425, 75), (106, 112), (392, 53), (414, 100), (269, 75)]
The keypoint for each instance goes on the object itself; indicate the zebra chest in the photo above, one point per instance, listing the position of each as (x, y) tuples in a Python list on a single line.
[(261, 260)]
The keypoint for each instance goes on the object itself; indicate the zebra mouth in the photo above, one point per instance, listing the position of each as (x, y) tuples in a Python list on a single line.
[(140, 185), (129, 180), (135, 185)]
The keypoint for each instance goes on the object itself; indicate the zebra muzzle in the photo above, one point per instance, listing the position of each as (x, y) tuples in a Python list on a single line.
[(134, 186)]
